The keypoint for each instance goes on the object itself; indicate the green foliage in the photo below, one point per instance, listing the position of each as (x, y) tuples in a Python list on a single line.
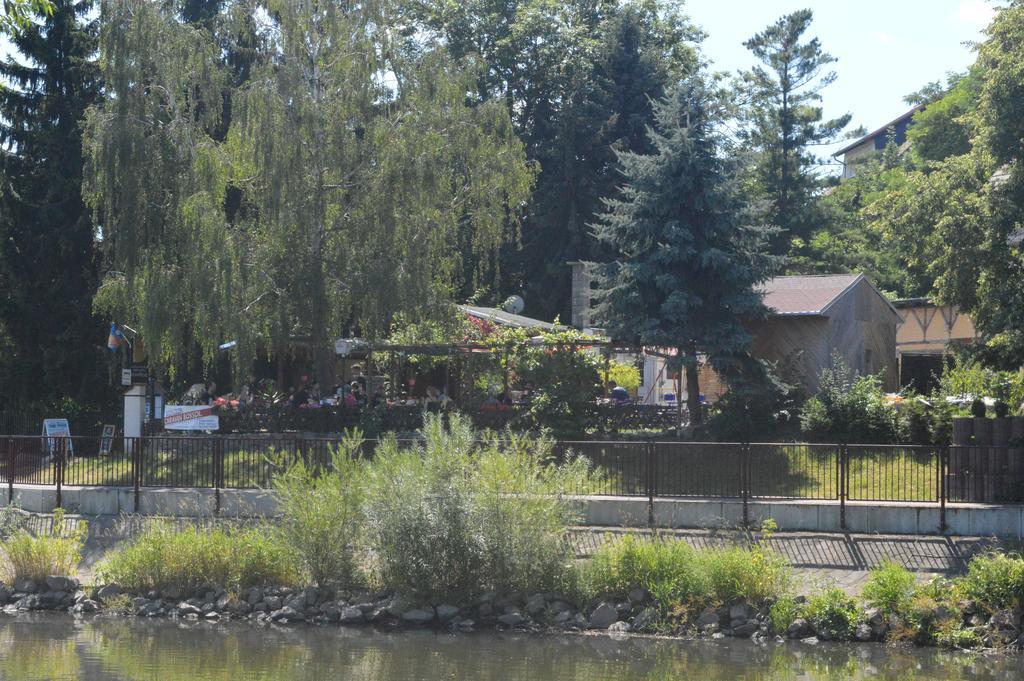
[(12, 521), (945, 126), (624, 375), (677, 574), (566, 376), (834, 613), (783, 613), (17, 15), (679, 204), (890, 587), (784, 122), (759, 405), (453, 517), (578, 79), (951, 635), (966, 377), (48, 265), (164, 556), (848, 408), (321, 518), (38, 557), (995, 580), (333, 201)]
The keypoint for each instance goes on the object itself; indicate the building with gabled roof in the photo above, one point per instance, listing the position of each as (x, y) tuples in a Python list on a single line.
[(813, 317), (875, 141)]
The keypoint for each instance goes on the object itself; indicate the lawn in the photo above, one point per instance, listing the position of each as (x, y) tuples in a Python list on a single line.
[(785, 471)]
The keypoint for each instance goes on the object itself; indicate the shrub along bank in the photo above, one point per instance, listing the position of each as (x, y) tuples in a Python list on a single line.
[(470, 534)]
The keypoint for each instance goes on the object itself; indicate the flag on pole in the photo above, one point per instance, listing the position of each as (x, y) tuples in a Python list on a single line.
[(115, 339)]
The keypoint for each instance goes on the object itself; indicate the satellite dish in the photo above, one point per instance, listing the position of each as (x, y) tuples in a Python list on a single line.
[(513, 305)]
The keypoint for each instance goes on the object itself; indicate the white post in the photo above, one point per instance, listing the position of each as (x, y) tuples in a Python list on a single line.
[(134, 410)]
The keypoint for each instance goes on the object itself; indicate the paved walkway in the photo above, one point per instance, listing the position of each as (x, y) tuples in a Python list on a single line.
[(824, 559), (820, 559)]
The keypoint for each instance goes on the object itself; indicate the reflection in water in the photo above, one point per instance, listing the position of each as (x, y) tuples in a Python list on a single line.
[(56, 647)]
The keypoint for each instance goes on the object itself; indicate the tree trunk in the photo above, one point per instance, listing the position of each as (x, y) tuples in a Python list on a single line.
[(693, 386)]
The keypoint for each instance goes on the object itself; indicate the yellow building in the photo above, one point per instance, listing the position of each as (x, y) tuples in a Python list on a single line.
[(924, 335)]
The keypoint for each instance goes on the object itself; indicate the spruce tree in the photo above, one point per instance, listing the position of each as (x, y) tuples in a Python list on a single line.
[(47, 264), (687, 263)]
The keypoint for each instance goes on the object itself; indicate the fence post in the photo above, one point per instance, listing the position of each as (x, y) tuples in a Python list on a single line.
[(943, 455), (652, 484), (137, 444), (58, 471), (218, 472), (10, 470), (745, 481), (844, 479)]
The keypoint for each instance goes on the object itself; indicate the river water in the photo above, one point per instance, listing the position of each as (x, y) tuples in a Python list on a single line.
[(57, 647)]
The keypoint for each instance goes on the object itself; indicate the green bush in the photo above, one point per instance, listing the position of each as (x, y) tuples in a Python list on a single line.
[(36, 558), (833, 613), (521, 513), (994, 580), (677, 574), (322, 515), (164, 556), (12, 521), (963, 377), (848, 408), (456, 517), (890, 587)]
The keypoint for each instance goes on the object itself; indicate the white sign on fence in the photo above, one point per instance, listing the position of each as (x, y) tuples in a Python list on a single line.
[(107, 440), (57, 429), (190, 417)]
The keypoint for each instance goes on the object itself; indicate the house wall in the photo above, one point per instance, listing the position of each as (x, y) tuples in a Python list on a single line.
[(862, 330), (929, 329), (858, 153), (799, 346)]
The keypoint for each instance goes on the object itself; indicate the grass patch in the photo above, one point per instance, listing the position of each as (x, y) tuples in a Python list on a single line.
[(684, 579), (890, 588), (994, 580), (833, 614), (189, 558), (38, 557)]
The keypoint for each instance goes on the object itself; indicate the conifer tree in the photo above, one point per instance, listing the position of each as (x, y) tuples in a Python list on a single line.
[(47, 263), (687, 264), (785, 122)]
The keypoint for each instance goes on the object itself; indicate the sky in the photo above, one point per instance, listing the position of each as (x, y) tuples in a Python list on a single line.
[(886, 49)]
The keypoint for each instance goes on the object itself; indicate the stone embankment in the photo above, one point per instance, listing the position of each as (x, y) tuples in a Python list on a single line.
[(634, 612)]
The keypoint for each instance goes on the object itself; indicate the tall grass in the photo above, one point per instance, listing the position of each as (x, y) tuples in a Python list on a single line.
[(38, 557), (890, 588), (994, 580), (165, 556), (677, 574)]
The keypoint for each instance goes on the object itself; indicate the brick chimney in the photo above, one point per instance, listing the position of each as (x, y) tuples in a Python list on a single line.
[(579, 304)]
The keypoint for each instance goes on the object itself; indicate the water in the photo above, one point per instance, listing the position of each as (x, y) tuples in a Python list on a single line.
[(57, 647)]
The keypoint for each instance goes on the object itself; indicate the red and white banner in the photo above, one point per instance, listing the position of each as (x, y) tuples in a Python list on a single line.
[(190, 417)]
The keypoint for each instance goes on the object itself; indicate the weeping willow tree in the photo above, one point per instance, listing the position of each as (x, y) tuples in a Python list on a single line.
[(351, 185)]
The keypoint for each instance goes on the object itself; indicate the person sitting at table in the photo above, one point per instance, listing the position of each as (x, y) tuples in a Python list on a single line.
[(618, 394)]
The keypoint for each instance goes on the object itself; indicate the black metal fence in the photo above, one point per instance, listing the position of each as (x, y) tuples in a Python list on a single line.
[(880, 473), (601, 418)]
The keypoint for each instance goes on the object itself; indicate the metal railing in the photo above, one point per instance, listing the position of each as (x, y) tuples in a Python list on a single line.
[(746, 471)]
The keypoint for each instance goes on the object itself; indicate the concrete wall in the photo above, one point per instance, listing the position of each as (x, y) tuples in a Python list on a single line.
[(817, 516), (178, 502), (814, 516)]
